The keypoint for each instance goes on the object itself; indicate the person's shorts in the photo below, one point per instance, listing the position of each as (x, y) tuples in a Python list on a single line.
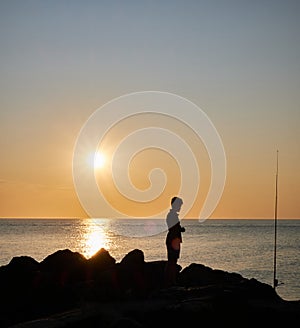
[(173, 249)]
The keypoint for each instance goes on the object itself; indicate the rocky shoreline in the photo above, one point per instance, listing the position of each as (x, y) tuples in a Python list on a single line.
[(68, 290)]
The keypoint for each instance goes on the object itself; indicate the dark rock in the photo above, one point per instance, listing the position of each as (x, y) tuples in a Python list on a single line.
[(134, 258), (201, 275), (19, 273), (101, 279), (254, 289), (125, 323), (132, 293), (101, 261), (22, 264), (131, 274), (155, 274), (64, 267), (234, 283)]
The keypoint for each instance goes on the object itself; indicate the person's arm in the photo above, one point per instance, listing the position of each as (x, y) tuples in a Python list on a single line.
[(180, 228)]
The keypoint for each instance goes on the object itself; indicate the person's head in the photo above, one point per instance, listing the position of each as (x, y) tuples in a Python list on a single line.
[(176, 203)]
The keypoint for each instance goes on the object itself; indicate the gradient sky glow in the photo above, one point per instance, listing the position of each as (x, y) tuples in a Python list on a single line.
[(239, 61)]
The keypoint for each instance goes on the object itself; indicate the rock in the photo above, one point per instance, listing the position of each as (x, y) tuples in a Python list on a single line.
[(100, 262), (22, 264), (64, 267), (201, 275), (154, 272), (19, 273), (131, 274), (131, 293), (125, 323), (134, 258)]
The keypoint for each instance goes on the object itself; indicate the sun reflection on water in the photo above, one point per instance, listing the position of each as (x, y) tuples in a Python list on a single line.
[(94, 237)]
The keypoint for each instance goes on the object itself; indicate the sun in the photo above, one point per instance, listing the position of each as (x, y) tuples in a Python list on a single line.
[(99, 160)]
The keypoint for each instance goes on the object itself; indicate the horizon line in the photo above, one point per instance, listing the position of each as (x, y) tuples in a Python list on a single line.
[(140, 218)]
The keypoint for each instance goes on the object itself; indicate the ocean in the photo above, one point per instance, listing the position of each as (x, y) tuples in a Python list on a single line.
[(242, 246)]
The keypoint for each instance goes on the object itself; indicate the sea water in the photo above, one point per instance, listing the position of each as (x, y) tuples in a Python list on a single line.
[(242, 246)]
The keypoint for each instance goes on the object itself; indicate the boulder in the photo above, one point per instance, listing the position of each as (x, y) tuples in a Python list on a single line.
[(101, 261), (64, 267), (132, 292)]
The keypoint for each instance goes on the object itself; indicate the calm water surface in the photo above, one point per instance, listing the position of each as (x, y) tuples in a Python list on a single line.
[(243, 246)]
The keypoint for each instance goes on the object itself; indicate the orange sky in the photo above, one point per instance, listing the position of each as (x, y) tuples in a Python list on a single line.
[(239, 63)]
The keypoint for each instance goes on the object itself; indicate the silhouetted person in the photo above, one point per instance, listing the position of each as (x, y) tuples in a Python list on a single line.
[(173, 240)]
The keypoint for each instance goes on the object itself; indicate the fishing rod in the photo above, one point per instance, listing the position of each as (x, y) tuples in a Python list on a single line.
[(275, 280)]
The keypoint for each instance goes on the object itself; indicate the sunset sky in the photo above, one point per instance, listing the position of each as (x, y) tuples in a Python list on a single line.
[(239, 61)]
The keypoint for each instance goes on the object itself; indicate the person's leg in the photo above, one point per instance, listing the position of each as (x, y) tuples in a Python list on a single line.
[(173, 249), (171, 268), (170, 273)]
